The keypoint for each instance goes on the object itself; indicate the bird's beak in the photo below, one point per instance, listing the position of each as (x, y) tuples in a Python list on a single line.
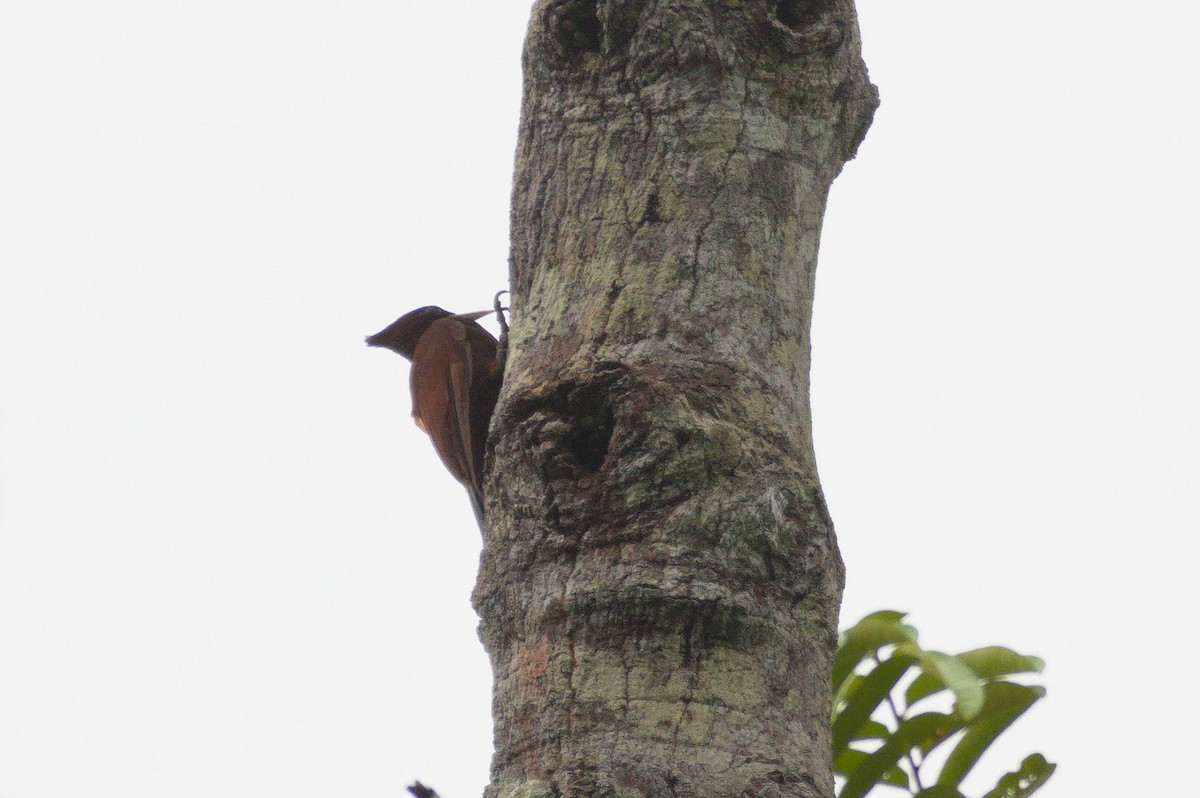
[(479, 314)]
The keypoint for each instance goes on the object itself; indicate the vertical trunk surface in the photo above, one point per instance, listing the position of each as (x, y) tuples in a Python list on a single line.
[(660, 580)]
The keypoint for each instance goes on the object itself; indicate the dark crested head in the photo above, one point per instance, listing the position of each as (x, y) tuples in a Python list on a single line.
[(401, 336)]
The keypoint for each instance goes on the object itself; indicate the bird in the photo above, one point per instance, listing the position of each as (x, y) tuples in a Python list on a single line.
[(457, 369)]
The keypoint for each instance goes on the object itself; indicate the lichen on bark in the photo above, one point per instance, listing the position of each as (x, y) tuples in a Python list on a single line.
[(660, 580)]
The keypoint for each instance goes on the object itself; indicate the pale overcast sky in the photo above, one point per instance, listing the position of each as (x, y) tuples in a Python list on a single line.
[(231, 567)]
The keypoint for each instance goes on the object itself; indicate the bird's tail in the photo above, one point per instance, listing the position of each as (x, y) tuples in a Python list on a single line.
[(476, 505)]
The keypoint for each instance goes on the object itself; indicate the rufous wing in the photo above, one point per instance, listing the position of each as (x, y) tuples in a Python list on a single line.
[(441, 384)]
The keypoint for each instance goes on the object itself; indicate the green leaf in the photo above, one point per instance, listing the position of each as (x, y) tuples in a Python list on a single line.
[(988, 663), (862, 703), (923, 686), (872, 730), (1025, 780), (849, 685), (993, 662), (895, 777), (850, 760), (912, 733), (887, 616), (947, 671), (879, 629), (941, 671), (939, 791), (1004, 703)]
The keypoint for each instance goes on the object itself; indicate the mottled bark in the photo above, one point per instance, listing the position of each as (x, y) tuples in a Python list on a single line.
[(660, 580)]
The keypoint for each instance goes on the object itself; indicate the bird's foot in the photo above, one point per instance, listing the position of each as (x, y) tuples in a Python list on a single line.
[(502, 345), (500, 312)]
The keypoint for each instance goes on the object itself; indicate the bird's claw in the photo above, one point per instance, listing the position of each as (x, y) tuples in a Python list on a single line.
[(502, 346), (500, 311)]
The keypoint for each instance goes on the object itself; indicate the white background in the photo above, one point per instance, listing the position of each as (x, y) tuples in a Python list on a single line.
[(230, 565)]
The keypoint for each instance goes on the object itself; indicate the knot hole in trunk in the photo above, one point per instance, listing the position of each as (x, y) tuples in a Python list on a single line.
[(587, 426), (590, 429), (575, 26), (570, 424), (798, 14)]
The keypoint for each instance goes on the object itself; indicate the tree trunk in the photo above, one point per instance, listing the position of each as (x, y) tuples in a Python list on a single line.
[(660, 580)]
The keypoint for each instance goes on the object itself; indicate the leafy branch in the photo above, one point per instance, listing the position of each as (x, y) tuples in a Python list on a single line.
[(884, 726)]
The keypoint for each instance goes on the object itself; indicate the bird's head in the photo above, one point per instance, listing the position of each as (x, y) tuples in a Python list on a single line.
[(401, 336)]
